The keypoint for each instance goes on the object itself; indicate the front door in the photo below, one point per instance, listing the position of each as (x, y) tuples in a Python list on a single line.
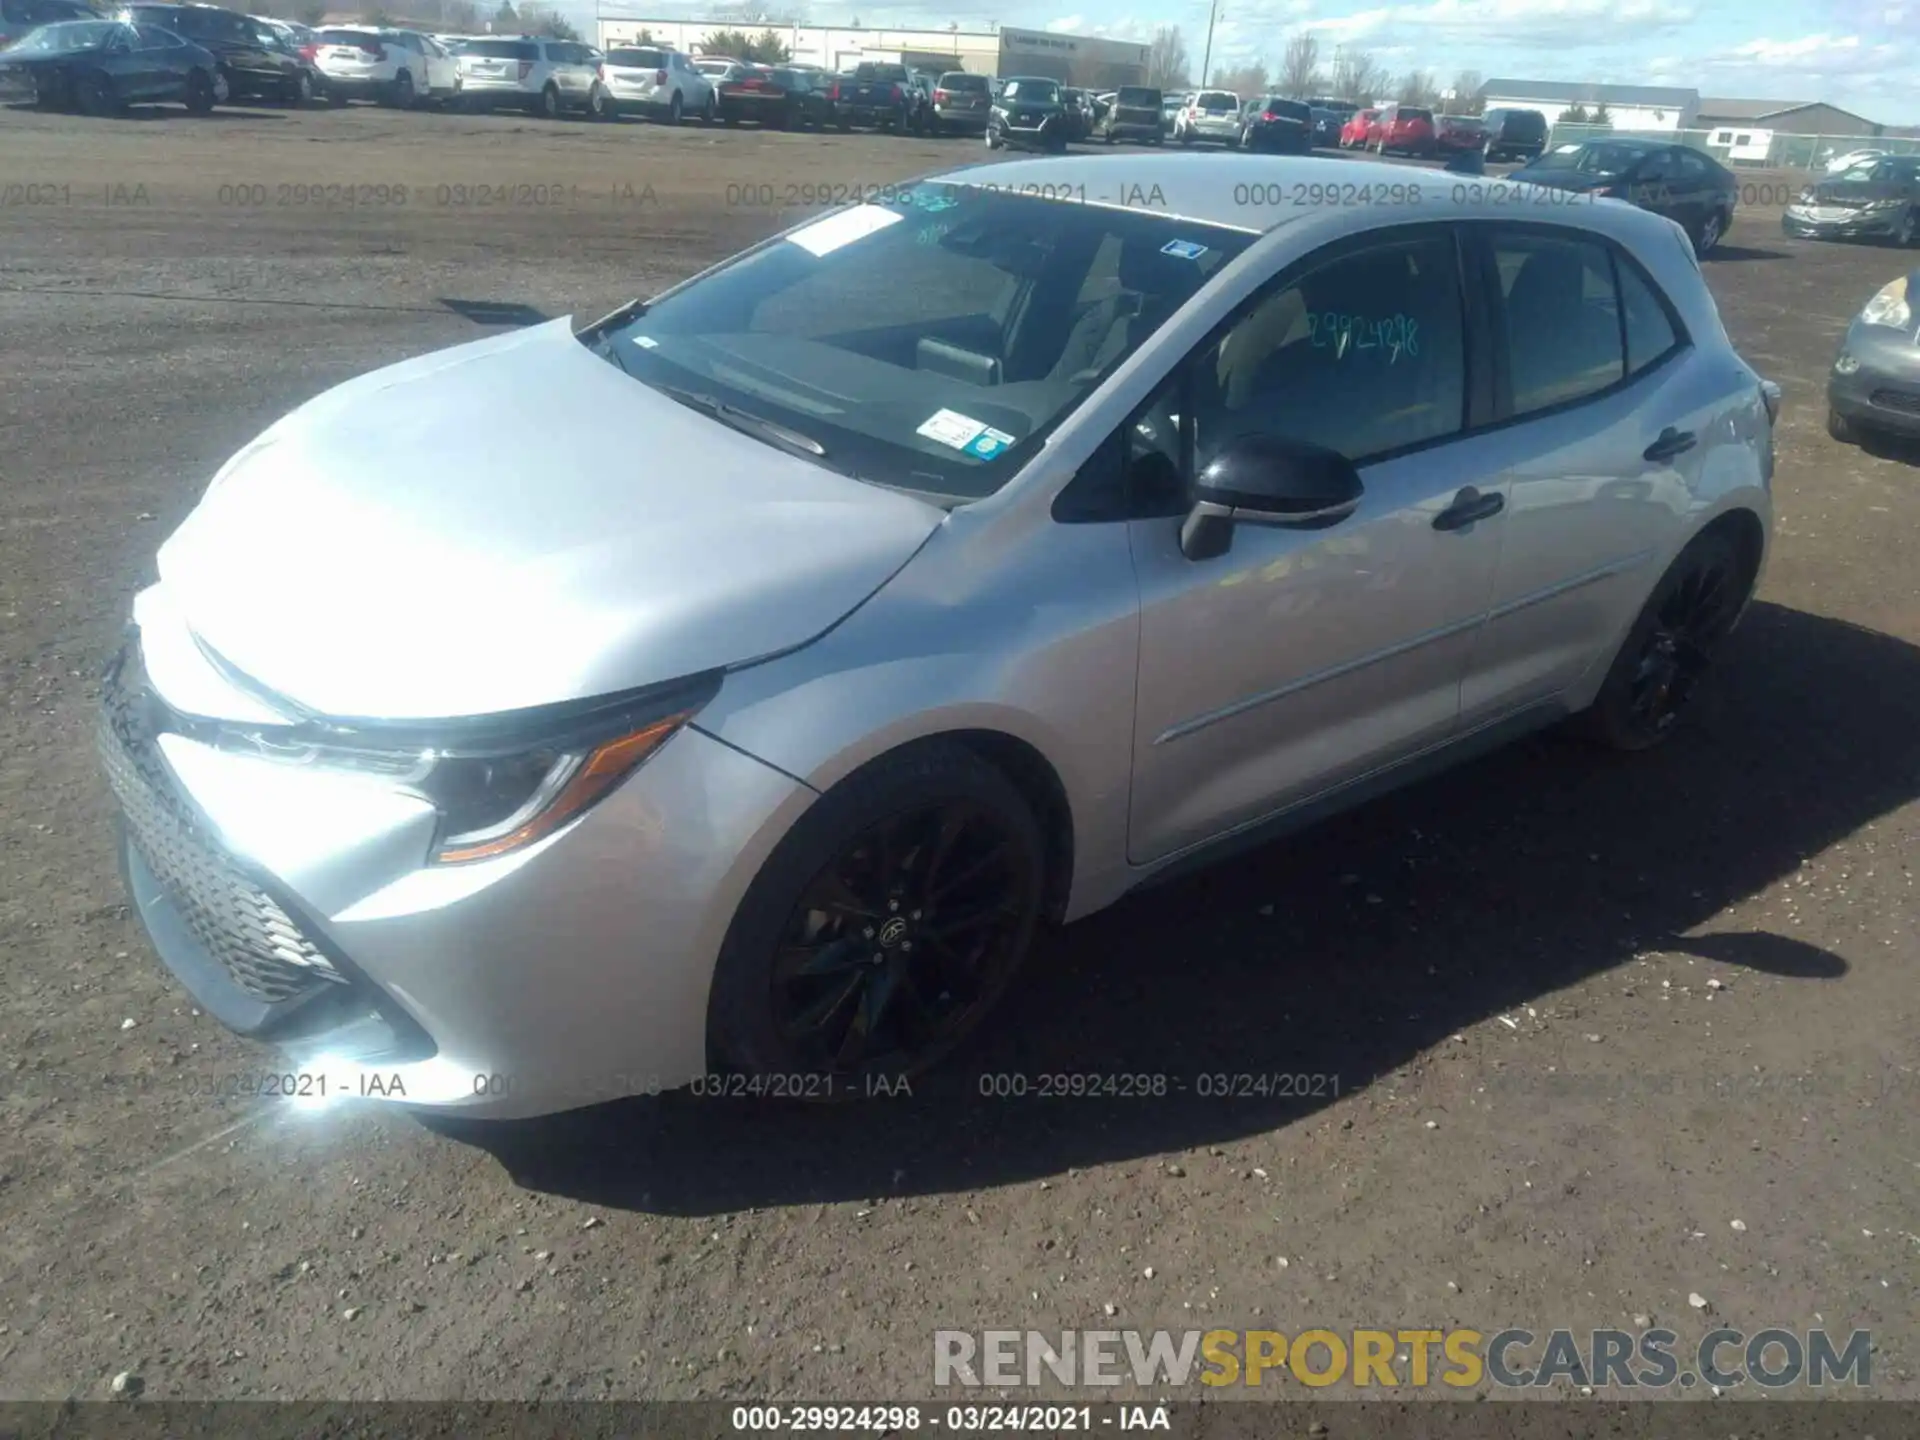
[(1304, 658)]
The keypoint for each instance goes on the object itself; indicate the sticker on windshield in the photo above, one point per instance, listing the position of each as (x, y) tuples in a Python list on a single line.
[(988, 443), (963, 432), (1183, 249), (931, 200), (645, 342), (823, 237)]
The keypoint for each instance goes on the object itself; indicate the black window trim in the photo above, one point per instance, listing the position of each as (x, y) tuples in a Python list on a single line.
[(1096, 501), (1479, 236)]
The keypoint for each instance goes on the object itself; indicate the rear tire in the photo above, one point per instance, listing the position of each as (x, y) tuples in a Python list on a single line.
[(199, 97), (599, 104), (550, 106), (1709, 233), (297, 90), (93, 94), (1670, 647), (930, 844), (676, 109), (710, 112)]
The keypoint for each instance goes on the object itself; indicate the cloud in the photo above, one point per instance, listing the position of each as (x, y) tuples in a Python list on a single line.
[(1554, 23)]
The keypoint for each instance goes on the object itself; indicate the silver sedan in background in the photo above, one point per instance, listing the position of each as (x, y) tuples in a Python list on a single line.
[(1035, 545)]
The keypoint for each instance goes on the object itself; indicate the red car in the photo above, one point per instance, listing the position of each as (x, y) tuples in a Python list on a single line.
[(1357, 132), (1407, 129), (1456, 134)]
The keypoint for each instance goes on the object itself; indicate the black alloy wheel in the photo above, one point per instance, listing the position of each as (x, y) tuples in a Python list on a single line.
[(1672, 645), (882, 960)]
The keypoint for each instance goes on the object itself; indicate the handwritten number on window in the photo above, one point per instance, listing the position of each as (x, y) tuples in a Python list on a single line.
[(1346, 334)]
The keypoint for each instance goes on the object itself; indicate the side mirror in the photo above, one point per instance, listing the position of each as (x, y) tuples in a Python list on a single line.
[(1267, 480)]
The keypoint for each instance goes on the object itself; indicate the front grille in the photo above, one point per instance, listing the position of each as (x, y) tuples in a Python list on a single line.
[(242, 927), (1896, 400)]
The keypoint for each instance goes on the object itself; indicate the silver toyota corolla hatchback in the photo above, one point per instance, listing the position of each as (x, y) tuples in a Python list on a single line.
[(735, 685)]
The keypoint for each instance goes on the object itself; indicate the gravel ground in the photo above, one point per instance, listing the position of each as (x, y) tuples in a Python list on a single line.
[(1580, 1015)]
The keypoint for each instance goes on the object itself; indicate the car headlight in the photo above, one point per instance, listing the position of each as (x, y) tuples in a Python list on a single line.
[(1889, 307), (499, 783)]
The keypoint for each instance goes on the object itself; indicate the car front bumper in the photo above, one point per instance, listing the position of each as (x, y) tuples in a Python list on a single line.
[(1882, 392), (1854, 224), (297, 906)]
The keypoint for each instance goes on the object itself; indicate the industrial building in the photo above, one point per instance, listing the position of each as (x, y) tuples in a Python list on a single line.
[(1071, 59)]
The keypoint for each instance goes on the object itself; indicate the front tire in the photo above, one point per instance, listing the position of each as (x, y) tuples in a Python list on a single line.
[(1670, 647), (885, 926), (993, 139), (1904, 232), (599, 104), (1841, 428), (550, 106), (1708, 236), (297, 89), (403, 94)]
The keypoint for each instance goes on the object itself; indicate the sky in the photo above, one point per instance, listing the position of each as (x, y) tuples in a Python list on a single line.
[(1862, 55)]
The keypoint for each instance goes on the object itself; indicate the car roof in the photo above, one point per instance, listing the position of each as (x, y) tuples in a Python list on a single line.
[(1251, 192)]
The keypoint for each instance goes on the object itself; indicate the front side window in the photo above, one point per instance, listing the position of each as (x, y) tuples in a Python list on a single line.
[(932, 342), (1364, 355), (1560, 315)]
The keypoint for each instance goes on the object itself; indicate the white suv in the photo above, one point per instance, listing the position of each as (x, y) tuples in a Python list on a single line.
[(658, 81), (395, 67), (546, 77)]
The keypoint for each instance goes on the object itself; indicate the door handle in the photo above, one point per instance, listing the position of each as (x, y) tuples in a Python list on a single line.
[(1468, 506), (1672, 442)]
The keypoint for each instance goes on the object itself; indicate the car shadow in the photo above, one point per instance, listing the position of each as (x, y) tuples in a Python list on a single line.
[(1343, 954), (1884, 445), (495, 312), (1724, 253)]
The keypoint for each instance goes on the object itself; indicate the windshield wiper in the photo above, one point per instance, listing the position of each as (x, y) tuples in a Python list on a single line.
[(746, 421)]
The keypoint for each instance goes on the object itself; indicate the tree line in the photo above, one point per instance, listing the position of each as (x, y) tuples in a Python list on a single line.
[(1307, 71)]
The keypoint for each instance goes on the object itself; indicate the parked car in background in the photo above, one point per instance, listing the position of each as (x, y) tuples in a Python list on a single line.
[(1677, 181), (657, 81), (1211, 115), (1136, 115), (1028, 114), (1327, 125), (1404, 130), (720, 67), (99, 67), (1874, 386), (1276, 124), (1171, 104), (961, 104), (1877, 197), (1836, 163), (17, 17), (810, 672), (527, 72), (393, 67), (878, 95), (1357, 132), (1515, 134), (1454, 134), (778, 97), (1077, 107), (251, 59)]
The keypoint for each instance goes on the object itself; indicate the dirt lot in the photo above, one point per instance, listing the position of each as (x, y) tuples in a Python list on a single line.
[(1583, 1015)]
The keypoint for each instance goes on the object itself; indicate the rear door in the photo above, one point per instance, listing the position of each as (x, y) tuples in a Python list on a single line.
[(1607, 416)]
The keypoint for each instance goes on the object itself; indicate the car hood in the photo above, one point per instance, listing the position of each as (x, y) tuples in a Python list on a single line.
[(1854, 192), (516, 522)]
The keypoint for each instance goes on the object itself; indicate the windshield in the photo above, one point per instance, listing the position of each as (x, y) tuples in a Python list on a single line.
[(930, 343), (65, 35), (1218, 102), (1036, 91)]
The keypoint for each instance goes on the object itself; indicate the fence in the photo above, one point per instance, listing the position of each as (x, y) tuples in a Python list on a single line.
[(1786, 152)]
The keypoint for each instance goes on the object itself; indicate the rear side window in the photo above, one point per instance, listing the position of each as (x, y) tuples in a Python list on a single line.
[(1364, 354), (1561, 318), (1649, 328)]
